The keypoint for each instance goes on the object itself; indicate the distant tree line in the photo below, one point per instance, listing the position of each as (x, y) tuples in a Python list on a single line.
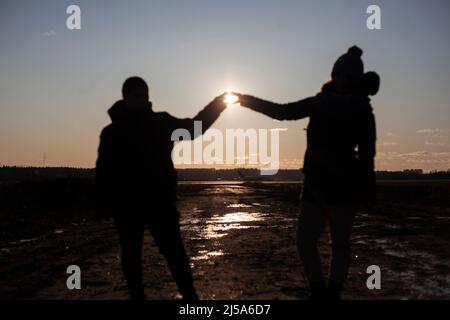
[(13, 173)]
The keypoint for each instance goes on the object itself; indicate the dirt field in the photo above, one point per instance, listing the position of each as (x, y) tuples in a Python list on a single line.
[(240, 238)]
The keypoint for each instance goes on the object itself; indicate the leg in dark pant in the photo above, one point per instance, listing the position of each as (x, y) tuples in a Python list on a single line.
[(311, 223), (341, 224), (131, 235), (166, 232)]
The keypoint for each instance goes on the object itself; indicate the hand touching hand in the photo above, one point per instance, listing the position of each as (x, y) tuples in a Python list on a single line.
[(219, 101), (231, 98), (245, 100)]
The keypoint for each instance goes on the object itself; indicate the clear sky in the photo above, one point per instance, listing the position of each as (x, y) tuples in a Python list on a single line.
[(57, 84)]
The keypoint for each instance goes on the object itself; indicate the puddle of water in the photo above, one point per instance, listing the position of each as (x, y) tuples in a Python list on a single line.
[(217, 225), (228, 189), (189, 222), (363, 214), (392, 226), (22, 241), (395, 253), (238, 205), (206, 255), (214, 232), (237, 217), (414, 218), (257, 204)]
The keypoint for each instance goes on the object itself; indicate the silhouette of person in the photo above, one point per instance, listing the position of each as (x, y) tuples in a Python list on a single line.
[(338, 164), (136, 182)]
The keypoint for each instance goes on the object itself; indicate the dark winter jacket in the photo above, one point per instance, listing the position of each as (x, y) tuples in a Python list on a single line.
[(339, 160), (134, 169)]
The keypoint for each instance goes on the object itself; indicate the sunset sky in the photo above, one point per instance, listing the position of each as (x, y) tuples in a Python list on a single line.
[(57, 84)]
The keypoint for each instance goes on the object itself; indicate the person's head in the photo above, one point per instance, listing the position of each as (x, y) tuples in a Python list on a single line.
[(135, 93), (347, 71), (370, 83)]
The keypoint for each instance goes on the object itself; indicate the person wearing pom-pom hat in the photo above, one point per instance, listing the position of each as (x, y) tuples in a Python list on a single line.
[(338, 165)]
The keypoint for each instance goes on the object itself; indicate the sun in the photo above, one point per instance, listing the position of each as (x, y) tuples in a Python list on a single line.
[(231, 99)]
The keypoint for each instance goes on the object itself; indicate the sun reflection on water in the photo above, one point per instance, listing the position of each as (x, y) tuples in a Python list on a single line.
[(217, 225)]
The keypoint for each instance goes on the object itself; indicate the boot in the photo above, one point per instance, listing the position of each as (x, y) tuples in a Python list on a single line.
[(334, 290), (318, 290)]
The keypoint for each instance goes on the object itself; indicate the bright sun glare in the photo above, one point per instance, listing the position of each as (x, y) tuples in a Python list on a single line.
[(231, 98)]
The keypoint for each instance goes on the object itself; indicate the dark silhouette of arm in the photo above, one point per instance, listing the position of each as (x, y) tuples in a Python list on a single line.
[(288, 111), (207, 116), (104, 152), (103, 171), (366, 156)]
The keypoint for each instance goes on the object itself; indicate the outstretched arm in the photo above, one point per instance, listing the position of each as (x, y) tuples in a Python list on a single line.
[(207, 116), (288, 111)]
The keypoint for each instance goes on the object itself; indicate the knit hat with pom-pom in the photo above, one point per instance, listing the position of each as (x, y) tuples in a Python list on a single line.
[(349, 63)]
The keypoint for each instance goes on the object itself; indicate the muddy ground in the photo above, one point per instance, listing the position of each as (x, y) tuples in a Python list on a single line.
[(240, 238)]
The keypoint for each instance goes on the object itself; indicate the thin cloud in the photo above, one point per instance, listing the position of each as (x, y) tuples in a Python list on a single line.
[(429, 130), (279, 129), (415, 155), (50, 33), (398, 155), (387, 144), (438, 144)]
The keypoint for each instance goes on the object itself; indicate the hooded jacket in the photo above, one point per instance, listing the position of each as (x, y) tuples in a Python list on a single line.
[(134, 168), (339, 159)]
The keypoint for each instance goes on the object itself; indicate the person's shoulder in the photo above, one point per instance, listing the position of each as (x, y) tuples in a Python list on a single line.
[(165, 118), (108, 131), (333, 103), (163, 115)]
